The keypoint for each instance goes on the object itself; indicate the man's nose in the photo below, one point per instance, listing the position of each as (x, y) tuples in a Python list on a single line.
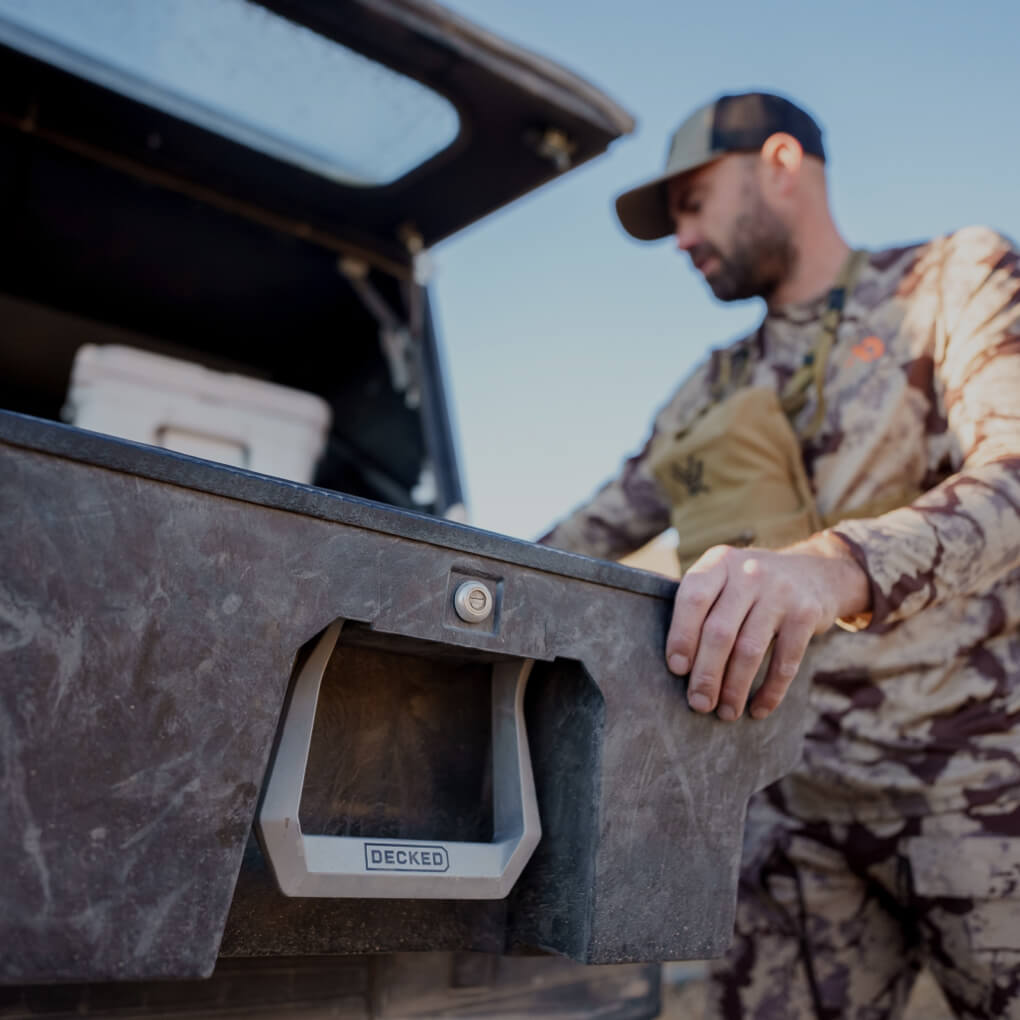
[(685, 234)]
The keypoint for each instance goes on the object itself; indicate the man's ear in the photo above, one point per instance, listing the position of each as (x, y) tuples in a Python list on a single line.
[(781, 159)]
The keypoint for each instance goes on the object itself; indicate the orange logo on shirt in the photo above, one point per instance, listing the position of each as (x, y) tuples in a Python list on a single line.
[(870, 348)]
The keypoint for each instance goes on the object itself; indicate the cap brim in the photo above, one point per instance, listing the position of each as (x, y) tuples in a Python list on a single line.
[(644, 211)]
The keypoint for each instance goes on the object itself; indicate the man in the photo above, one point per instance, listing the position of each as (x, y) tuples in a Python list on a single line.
[(896, 377)]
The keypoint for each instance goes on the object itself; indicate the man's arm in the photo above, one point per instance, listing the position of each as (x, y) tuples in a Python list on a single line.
[(955, 539), (624, 514), (961, 535), (630, 510)]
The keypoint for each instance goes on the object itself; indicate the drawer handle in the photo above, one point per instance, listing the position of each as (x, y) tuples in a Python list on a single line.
[(343, 866)]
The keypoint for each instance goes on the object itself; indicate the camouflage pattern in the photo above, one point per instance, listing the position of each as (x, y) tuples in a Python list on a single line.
[(897, 839), (836, 919), (918, 711)]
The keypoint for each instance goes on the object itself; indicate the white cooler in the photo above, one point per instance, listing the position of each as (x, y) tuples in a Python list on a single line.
[(181, 406)]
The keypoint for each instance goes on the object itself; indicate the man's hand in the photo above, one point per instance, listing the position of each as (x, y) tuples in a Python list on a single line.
[(732, 602)]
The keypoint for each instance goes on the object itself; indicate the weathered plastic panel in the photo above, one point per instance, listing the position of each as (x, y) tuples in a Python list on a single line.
[(151, 608)]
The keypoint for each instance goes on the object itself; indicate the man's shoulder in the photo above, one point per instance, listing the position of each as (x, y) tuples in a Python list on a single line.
[(953, 265), (976, 236), (979, 258), (977, 246), (977, 239)]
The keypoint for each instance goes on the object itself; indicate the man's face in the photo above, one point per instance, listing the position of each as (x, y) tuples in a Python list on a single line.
[(734, 238)]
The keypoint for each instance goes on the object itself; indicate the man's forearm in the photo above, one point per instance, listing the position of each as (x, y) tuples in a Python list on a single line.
[(949, 542)]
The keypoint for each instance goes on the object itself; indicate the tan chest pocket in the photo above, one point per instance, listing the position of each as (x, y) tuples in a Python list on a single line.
[(736, 477)]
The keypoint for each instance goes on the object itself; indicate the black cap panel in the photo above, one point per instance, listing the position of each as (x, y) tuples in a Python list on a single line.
[(746, 121)]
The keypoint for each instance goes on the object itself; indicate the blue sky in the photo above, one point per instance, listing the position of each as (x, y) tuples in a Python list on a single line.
[(562, 336)]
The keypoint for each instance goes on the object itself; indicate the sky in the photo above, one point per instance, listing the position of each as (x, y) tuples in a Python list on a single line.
[(562, 336)]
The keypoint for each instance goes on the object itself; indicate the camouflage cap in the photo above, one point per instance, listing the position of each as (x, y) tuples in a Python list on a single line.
[(740, 123)]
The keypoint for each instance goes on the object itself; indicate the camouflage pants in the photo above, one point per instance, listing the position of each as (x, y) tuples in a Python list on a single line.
[(835, 921)]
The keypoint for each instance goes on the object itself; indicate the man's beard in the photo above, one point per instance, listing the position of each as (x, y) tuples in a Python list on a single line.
[(761, 256)]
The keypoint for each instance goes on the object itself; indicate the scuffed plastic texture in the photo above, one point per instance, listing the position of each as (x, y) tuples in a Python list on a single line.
[(148, 629)]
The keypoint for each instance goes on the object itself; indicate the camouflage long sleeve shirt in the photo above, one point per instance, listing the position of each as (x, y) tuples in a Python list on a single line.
[(920, 710)]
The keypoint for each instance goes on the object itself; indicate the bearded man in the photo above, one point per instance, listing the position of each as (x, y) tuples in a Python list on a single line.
[(854, 461)]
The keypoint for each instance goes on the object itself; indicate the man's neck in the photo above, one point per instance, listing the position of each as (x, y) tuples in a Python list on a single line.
[(817, 267)]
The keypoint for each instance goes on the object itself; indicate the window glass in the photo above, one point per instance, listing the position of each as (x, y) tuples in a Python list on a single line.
[(235, 68)]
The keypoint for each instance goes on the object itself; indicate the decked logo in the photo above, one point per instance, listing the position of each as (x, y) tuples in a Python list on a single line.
[(401, 857)]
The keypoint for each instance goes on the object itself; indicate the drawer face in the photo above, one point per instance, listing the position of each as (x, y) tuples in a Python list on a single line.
[(152, 612)]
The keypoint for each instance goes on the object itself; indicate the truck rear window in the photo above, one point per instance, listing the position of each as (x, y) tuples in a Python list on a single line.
[(237, 69)]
